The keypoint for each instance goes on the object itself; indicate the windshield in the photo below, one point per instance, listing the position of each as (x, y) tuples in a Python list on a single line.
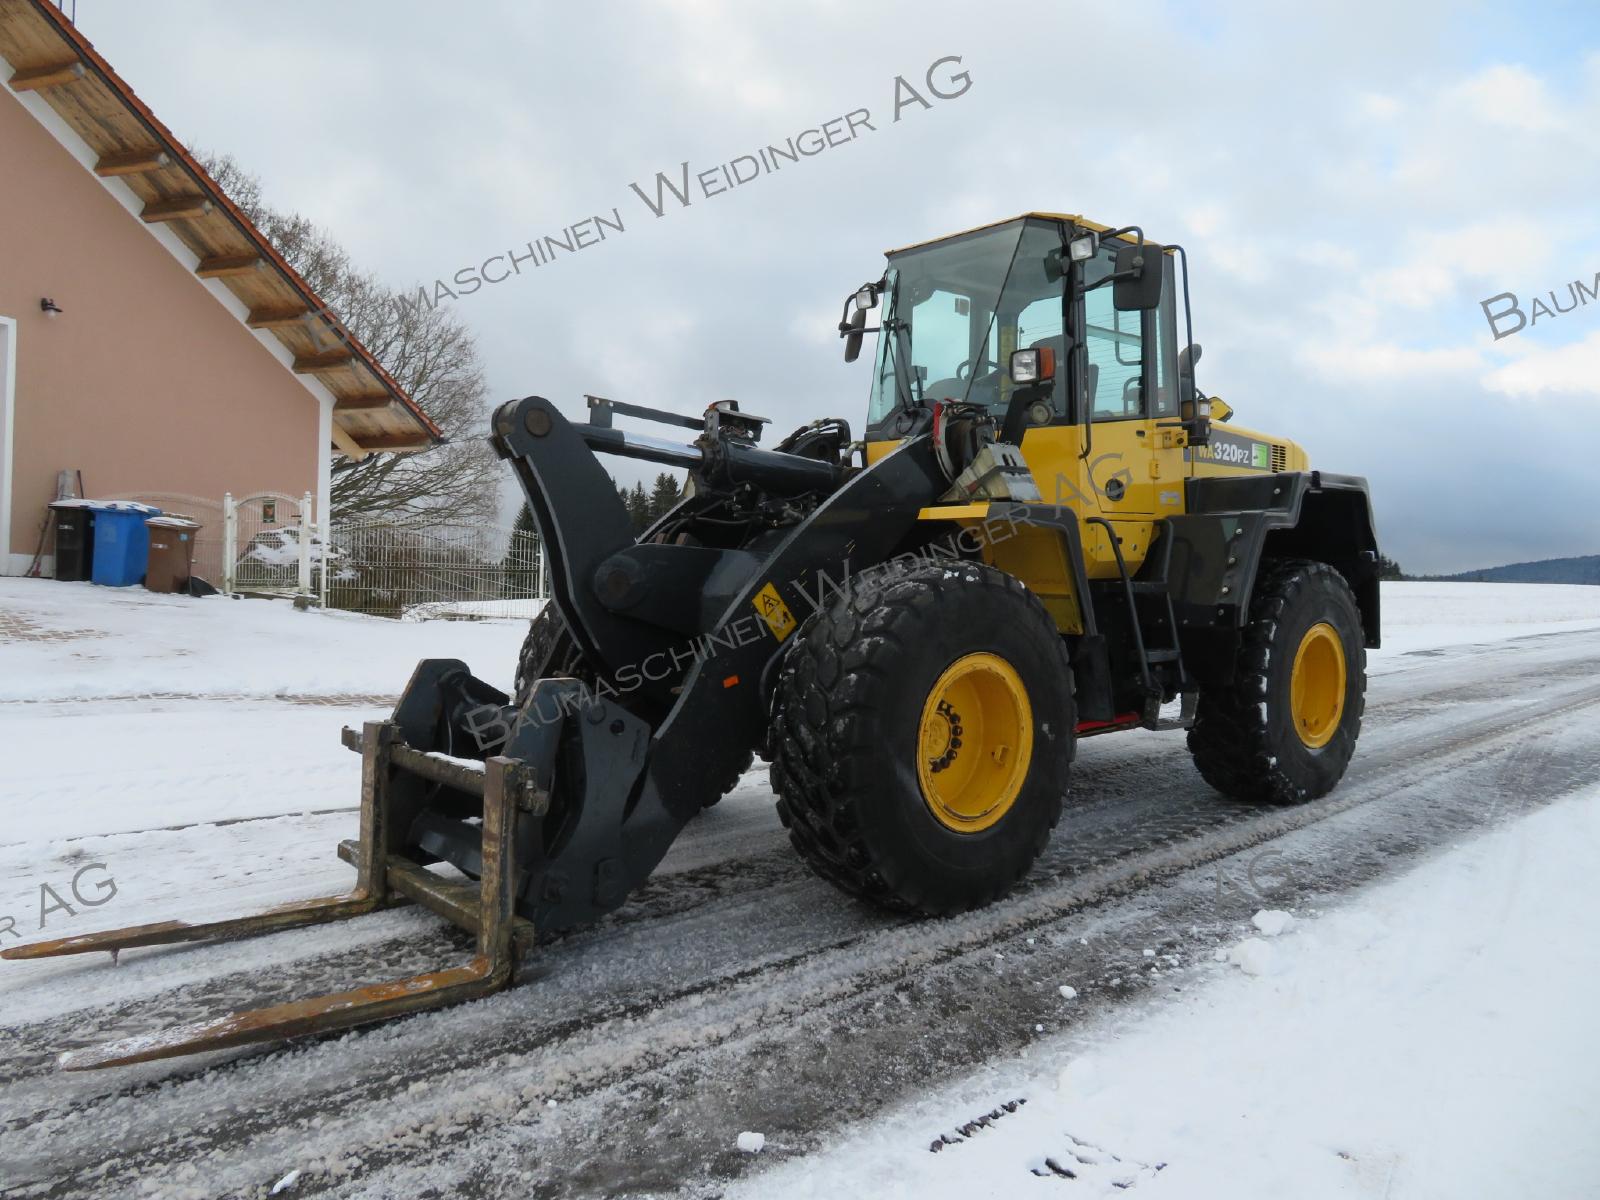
[(954, 312)]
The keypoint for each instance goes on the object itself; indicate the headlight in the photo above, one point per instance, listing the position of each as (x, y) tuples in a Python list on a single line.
[(1033, 366)]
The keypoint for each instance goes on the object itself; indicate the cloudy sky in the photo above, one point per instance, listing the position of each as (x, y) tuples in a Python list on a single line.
[(1351, 180)]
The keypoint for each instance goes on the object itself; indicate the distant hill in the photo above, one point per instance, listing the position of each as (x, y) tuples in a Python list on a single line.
[(1550, 570)]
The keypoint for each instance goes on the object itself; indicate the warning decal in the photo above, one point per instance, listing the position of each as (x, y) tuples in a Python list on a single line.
[(774, 612)]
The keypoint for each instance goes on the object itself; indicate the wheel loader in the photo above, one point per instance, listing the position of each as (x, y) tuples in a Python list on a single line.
[(1047, 532)]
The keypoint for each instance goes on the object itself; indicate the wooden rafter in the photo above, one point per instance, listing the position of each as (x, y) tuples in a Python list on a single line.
[(178, 208), (277, 318), (224, 265), (364, 403), (332, 360), (38, 79), (396, 441), (132, 162)]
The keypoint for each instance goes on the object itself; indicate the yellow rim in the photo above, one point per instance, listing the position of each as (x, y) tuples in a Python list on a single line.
[(974, 743), (1317, 685)]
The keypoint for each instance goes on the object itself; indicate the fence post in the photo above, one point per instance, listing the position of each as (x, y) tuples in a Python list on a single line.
[(307, 526), (324, 556), (230, 542), (542, 588)]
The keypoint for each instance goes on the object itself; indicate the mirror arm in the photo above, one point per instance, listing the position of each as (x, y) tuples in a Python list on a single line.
[(1114, 277)]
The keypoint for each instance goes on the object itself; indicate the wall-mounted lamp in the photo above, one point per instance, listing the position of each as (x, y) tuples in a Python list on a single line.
[(49, 307)]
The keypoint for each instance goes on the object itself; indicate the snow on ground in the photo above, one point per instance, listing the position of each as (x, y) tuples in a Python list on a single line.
[(524, 610), (1433, 1038), (1423, 617), (80, 641), (192, 747)]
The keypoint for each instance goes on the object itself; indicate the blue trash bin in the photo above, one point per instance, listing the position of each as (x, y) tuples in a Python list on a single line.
[(121, 542)]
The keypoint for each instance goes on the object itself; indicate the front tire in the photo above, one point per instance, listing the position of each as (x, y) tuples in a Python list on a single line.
[(923, 736), (549, 649), (1284, 730)]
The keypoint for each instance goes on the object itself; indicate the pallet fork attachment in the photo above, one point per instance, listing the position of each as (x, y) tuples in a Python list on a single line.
[(383, 879)]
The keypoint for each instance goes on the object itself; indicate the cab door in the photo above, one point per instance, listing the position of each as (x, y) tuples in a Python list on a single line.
[(1131, 465)]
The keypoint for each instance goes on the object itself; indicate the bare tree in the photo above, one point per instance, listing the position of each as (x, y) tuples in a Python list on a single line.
[(429, 353)]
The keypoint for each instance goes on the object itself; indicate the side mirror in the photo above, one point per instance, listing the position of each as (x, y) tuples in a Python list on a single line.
[(1138, 286), (853, 334)]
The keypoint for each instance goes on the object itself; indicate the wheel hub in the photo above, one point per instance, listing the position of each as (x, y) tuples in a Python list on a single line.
[(1317, 685), (974, 742)]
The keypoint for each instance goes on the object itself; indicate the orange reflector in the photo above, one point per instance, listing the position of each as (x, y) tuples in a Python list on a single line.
[(1047, 363), (731, 681)]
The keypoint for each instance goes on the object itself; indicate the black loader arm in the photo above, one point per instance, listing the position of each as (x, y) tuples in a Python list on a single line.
[(679, 631)]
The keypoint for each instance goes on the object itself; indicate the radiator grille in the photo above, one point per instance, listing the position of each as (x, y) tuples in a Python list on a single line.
[(1280, 457)]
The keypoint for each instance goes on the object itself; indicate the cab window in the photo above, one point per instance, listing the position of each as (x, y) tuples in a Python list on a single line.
[(1115, 384)]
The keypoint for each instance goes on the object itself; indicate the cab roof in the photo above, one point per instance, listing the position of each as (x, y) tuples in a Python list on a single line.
[(1074, 218)]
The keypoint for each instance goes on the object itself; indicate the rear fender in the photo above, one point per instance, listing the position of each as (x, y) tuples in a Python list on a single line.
[(1233, 522)]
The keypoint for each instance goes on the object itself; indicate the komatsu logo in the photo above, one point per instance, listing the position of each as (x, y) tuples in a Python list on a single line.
[(1235, 452)]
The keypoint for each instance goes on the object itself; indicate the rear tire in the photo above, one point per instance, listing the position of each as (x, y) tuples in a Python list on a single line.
[(1284, 730), (879, 793)]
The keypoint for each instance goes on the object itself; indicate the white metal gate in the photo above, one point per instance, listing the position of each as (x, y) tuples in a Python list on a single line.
[(268, 543)]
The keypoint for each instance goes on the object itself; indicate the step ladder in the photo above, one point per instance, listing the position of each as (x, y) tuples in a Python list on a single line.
[(1155, 626)]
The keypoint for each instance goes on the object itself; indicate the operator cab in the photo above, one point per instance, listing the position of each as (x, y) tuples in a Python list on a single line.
[(1095, 305)]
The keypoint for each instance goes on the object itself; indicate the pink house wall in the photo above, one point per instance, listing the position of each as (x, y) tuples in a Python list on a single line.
[(145, 382)]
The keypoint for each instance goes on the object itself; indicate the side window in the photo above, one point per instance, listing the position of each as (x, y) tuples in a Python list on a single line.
[(1166, 326), (1039, 324), (1116, 348), (1115, 342)]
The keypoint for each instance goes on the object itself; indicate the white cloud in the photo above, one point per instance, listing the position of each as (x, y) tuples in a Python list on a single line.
[(1379, 361), (1378, 107), (1437, 263), (1570, 370), (1205, 220), (1511, 96)]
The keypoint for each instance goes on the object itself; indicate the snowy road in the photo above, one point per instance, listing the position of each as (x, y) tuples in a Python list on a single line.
[(736, 992)]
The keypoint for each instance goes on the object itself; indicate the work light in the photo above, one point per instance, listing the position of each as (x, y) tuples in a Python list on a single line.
[(1033, 366)]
